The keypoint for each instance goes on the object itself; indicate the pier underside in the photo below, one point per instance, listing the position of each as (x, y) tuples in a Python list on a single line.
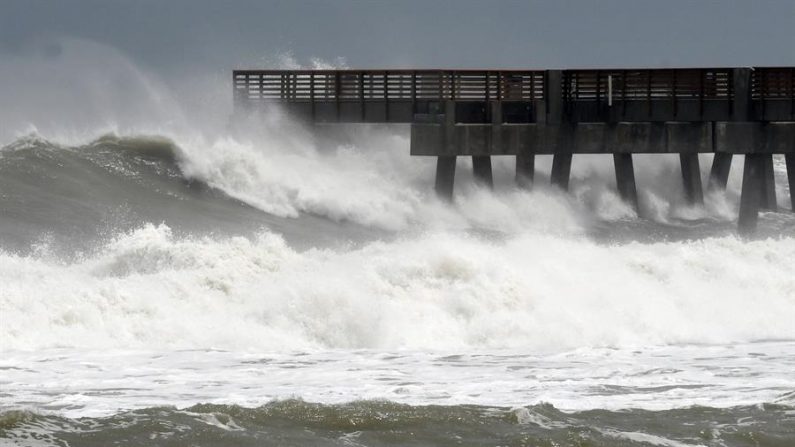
[(603, 138), (483, 113), (758, 142)]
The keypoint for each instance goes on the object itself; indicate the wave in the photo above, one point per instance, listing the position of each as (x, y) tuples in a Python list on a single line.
[(438, 290), (375, 423), (268, 162), (72, 198), (279, 241), (282, 179)]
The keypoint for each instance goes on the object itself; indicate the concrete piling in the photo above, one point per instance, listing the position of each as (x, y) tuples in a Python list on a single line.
[(768, 185), (525, 170), (790, 159), (691, 177), (561, 161), (625, 179), (561, 170), (481, 168), (751, 196), (445, 164), (719, 174), (445, 176)]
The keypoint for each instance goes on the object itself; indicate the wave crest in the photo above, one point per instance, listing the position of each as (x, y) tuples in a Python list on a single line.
[(438, 291)]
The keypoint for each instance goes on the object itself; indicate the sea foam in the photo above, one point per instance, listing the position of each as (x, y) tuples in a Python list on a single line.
[(438, 290)]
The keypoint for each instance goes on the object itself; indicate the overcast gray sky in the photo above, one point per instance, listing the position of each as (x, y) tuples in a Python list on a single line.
[(71, 66), (170, 37)]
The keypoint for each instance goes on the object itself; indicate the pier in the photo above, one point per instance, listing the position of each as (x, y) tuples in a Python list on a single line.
[(746, 111)]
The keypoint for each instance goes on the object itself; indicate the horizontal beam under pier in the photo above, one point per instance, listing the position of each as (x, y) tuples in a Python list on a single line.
[(755, 138), (596, 138)]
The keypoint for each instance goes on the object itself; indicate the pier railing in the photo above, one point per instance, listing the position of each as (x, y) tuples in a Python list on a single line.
[(773, 93), (648, 94), (649, 84), (609, 95), (389, 85)]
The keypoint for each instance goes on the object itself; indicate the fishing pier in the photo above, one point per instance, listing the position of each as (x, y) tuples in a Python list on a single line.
[(524, 113)]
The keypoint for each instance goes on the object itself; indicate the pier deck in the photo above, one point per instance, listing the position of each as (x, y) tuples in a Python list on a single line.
[(524, 113)]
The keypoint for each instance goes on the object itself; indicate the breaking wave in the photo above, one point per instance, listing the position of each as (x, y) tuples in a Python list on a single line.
[(284, 242), (438, 290)]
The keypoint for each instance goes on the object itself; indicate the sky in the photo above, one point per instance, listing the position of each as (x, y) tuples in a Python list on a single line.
[(72, 66), (172, 37)]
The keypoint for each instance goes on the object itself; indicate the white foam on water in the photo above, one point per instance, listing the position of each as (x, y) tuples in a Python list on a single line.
[(648, 439), (370, 180), (438, 290), (94, 383)]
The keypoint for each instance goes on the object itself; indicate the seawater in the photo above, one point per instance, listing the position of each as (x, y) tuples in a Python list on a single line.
[(278, 288)]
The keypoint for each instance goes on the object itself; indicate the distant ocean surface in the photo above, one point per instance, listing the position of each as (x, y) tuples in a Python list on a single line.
[(282, 289)]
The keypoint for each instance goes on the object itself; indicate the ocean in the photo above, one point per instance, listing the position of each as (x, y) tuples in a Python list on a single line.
[(271, 286)]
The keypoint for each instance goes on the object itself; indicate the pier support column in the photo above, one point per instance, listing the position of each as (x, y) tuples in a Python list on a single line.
[(553, 97), (753, 169), (481, 167), (790, 158), (561, 171), (769, 185), (445, 164), (691, 176), (525, 170), (751, 197), (445, 177), (625, 179), (719, 175)]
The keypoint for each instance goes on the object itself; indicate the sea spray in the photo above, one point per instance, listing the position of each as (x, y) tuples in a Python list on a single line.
[(445, 290)]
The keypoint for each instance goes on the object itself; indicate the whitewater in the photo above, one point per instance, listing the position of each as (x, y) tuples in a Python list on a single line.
[(178, 284), (240, 275)]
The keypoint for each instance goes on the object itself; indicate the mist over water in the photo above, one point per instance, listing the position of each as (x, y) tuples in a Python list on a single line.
[(139, 222)]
